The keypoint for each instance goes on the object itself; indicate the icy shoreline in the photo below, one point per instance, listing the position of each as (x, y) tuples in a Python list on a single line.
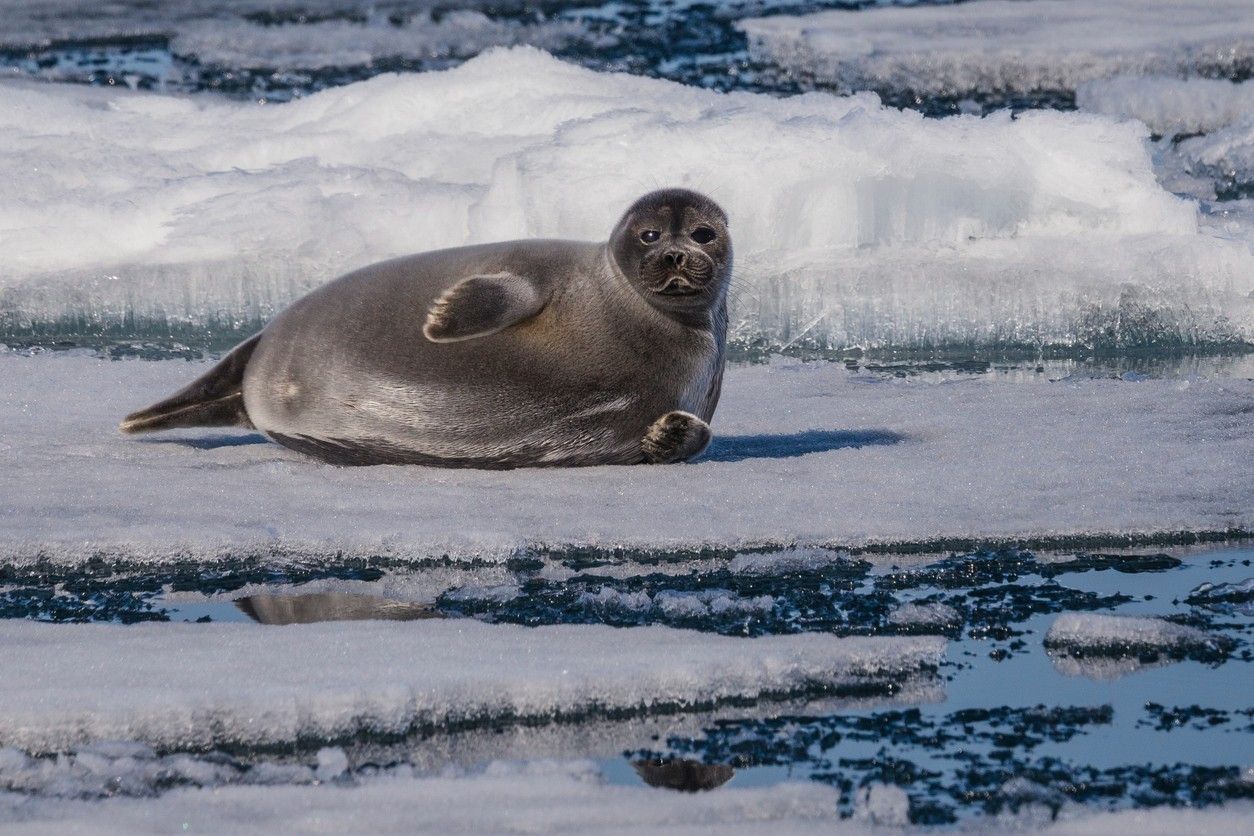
[(807, 454)]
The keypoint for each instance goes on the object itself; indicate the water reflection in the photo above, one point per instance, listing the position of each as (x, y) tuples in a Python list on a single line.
[(1104, 668), (683, 774), (330, 606)]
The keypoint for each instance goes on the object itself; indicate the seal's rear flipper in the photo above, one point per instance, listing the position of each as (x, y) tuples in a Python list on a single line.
[(214, 400)]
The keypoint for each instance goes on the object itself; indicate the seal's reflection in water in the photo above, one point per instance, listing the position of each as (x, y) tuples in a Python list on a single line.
[(330, 606), (683, 774)]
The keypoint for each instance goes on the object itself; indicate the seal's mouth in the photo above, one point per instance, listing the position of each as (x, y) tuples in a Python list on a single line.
[(691, 278), (676, 284)]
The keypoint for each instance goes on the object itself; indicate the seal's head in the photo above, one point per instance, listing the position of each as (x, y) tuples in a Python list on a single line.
[(674, 248)]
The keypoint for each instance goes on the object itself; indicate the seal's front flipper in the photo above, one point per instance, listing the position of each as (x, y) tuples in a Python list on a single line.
[(675, 437), (482, 305), (216, 399)]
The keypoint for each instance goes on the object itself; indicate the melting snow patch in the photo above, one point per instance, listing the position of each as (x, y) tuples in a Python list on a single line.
[(203, 686), (854, 224), (1002, 45)]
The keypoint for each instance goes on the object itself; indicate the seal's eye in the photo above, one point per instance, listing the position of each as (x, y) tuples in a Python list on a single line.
[(703, 235), (649, 236)]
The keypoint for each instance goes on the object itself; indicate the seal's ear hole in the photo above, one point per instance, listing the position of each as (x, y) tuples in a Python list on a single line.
[(703, 235), (649, 236)]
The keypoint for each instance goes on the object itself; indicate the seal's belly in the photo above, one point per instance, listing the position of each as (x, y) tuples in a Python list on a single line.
[(361, 419)]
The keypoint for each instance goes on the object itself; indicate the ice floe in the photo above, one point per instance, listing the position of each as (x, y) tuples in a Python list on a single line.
[(1002, 45), (855, 224), (1226, 154), (1219, 163), (203, 686), (922, 617), (553, 797), (545, 797), (1170, 105), (837, 459), (39, 22), (1231, 597), (1118, 636), (457, 34)]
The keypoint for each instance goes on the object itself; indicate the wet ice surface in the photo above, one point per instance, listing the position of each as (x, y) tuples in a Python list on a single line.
[(1006, 727), (1138, 720)]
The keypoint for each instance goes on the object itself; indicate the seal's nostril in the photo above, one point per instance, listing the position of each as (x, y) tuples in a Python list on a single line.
[(675, 258)]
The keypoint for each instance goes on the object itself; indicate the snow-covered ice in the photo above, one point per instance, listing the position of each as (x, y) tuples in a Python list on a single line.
[(701, 604), (1170, 105), (558, 797), (1237, 597), (1004, 45), (1125, 635), (1227, 153), (251, 32), (340, 43), (192, 686), (1220, 161), (934, 616), (554, 797), (884, 805), (855, 224), (805, 454)]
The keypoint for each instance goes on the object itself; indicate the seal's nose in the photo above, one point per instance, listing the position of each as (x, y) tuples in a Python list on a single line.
[(674, 258)]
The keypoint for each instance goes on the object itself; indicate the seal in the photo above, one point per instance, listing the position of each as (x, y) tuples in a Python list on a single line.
[(515, 354)]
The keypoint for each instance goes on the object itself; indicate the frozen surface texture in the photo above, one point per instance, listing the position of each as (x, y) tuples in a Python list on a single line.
[(1227, 153), (1003, 45), (803, 453), (1218, 164), (342, 43), (34, 22), (550, 797), (554, 797), (203, 686), (854, 224), (1116, 635), (1170, 105)]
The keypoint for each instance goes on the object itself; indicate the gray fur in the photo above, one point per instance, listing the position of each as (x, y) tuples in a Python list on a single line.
[(523, 353), (675, 437)]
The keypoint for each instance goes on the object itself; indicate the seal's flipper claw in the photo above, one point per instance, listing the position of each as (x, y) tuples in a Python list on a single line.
[(675, 437), (482, 305)]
